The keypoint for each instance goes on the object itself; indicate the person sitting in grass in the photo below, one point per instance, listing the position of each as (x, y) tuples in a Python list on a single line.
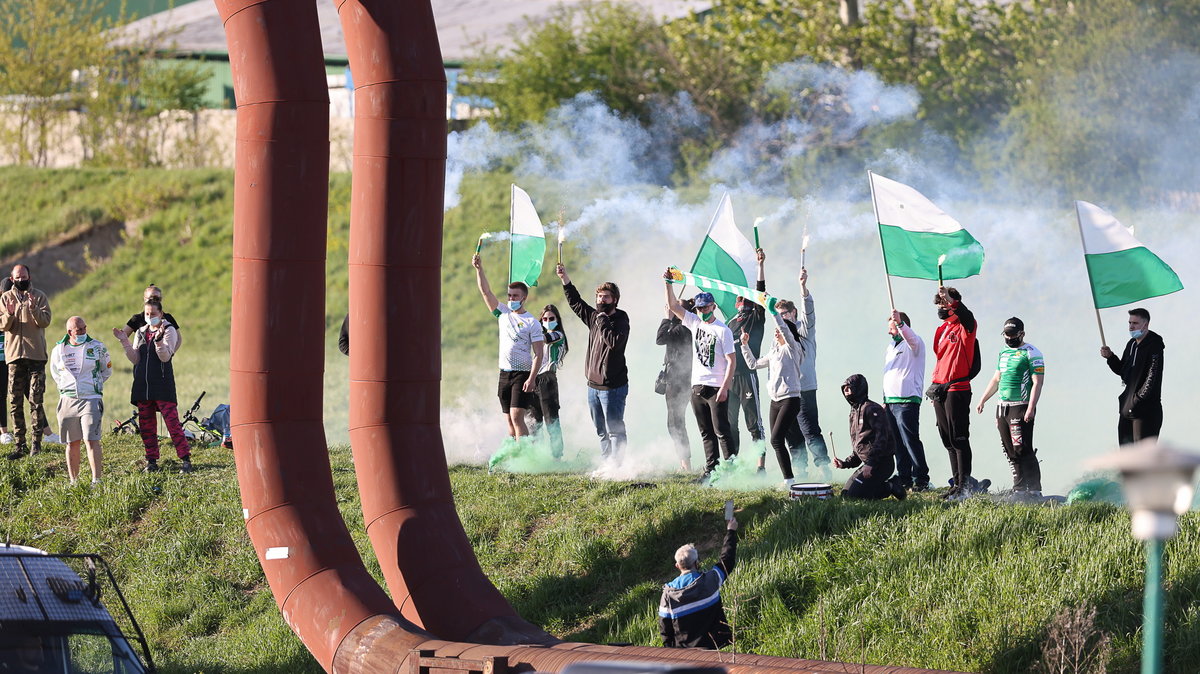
[(690, 614)]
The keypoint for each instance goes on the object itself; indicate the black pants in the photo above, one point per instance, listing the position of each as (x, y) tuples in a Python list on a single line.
[(1016, 436), (871, 488), (743, 395), (679, 396), (713, 419), (806, 436), (545, 411), (954, 426), (1146, 425), (783, 421)]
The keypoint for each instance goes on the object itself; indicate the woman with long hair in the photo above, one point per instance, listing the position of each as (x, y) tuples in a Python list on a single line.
[(546, 411)]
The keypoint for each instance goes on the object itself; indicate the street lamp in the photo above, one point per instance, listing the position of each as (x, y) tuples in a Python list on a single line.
[(1157, 481)]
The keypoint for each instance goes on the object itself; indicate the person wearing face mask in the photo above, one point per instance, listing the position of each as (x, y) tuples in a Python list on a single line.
[(958, 362), (1020, 371), (138, 320), (873, 447), (903, 384), (782, 361), (6, 438), (521, 349), (24, 316), (677, 363), (1141, 370), (153, 392), (807, 437), (604, 364), (80, 365), (712, 372), (545, 412), (750, 319)]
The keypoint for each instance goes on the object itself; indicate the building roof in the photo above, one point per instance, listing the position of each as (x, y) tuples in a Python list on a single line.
[(194, 27)]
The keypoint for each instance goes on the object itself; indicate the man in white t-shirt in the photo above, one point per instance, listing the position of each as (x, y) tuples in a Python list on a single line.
[(712, 373), (521, 342)]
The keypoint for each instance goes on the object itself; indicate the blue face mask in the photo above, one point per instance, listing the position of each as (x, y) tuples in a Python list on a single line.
[(154, 321), (80, 339), (550, 325), (514, 305), (1136, 334)]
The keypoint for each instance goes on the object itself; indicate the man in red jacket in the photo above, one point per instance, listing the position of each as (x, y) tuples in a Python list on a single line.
[(957, 363)]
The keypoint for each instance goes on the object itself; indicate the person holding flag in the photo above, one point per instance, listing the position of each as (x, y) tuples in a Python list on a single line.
[(750, 321), (712, 372), (1123, 271), (957, 353), (1141, 370)]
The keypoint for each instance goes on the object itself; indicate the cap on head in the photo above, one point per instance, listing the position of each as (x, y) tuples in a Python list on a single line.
[(704, 300), (1013, 327)]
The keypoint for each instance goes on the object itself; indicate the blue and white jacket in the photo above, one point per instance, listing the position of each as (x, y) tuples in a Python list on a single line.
[(690, 614)]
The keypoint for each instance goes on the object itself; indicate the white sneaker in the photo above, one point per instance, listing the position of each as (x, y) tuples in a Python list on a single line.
[(6, 438), (53, 437)]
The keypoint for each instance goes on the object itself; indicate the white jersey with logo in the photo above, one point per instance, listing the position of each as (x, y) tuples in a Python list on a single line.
[(518, 332), (711, 343), (80, 370)]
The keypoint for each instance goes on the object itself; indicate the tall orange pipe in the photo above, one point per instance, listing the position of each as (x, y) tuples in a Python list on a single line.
[(276, 359)]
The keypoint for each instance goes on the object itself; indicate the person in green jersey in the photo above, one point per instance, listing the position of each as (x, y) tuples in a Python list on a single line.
[(1020, 370)]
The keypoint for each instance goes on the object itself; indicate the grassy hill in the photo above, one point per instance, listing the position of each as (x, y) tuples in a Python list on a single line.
[(971, 587)]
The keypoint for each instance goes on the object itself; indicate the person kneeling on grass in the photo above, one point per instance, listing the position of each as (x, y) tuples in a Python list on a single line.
[(690, 614), (874, 447), (153, 391), (80, 365)]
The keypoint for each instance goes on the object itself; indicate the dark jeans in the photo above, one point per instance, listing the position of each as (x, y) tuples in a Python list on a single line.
[(1146, 425), (713, 419), (871, 488), (27, 377), (545, 412), (806, 434), (743, 395), (954, 426), (783, 420), (911, 467), (608, 416), (679, 396), (1016, 436)]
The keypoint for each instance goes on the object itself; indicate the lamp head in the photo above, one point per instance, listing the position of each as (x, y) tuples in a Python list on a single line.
[(1157, 481)]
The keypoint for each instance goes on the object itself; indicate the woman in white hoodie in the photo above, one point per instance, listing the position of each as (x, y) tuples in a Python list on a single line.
[(783, 379)]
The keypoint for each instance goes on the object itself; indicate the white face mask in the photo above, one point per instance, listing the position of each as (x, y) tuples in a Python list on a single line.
[(514, 305), (154, 321)]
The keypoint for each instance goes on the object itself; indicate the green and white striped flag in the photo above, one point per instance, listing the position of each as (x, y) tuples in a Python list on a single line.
[(726, 255), (1120, 268), (915, 233), (718, 286), (527, 247)]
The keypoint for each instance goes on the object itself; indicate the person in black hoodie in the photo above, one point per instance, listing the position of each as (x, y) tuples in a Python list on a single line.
[(678, 367), (604, 364), (690, 614), (1141, 370), (874, 447), (743, 389)]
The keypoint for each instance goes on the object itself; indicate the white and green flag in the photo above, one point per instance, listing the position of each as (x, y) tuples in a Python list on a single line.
[(915, 233), (714, 286), (527, 248), (726, 255), (1121, 269)]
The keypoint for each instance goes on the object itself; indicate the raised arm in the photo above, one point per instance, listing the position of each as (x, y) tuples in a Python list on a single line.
[(673, 304), (489, 298), (130, 352)]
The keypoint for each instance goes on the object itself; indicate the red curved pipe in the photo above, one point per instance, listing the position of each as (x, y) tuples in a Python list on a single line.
[(281, 187)]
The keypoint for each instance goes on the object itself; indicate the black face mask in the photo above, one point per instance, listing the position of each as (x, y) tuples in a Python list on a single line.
[(604, 307), (943, 313), (21, 285), (1012, 342)]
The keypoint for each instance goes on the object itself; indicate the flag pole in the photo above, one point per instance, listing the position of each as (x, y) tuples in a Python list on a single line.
[(1091, 285), (512, 194), (886, 275)]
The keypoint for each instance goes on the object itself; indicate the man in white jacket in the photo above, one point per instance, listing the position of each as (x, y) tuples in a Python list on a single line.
[(80, 365), (903, 384)]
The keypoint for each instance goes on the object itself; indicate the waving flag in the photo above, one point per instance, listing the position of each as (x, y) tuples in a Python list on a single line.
[(1120, 268), (714, 286), (726, 255), (915, 233), (527, 248)]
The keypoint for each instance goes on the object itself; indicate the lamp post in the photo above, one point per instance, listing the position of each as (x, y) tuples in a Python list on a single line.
[(1157, 481)]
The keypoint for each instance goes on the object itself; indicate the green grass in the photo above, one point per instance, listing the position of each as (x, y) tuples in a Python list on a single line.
[(969, 587)]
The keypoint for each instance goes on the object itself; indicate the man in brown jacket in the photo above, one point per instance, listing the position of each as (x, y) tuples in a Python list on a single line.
[(24, 315)]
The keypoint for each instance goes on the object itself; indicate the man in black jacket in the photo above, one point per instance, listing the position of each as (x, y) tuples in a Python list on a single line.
[(690, 614), (1141, 370), (604, 364), (873, 446), (677, 363)]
